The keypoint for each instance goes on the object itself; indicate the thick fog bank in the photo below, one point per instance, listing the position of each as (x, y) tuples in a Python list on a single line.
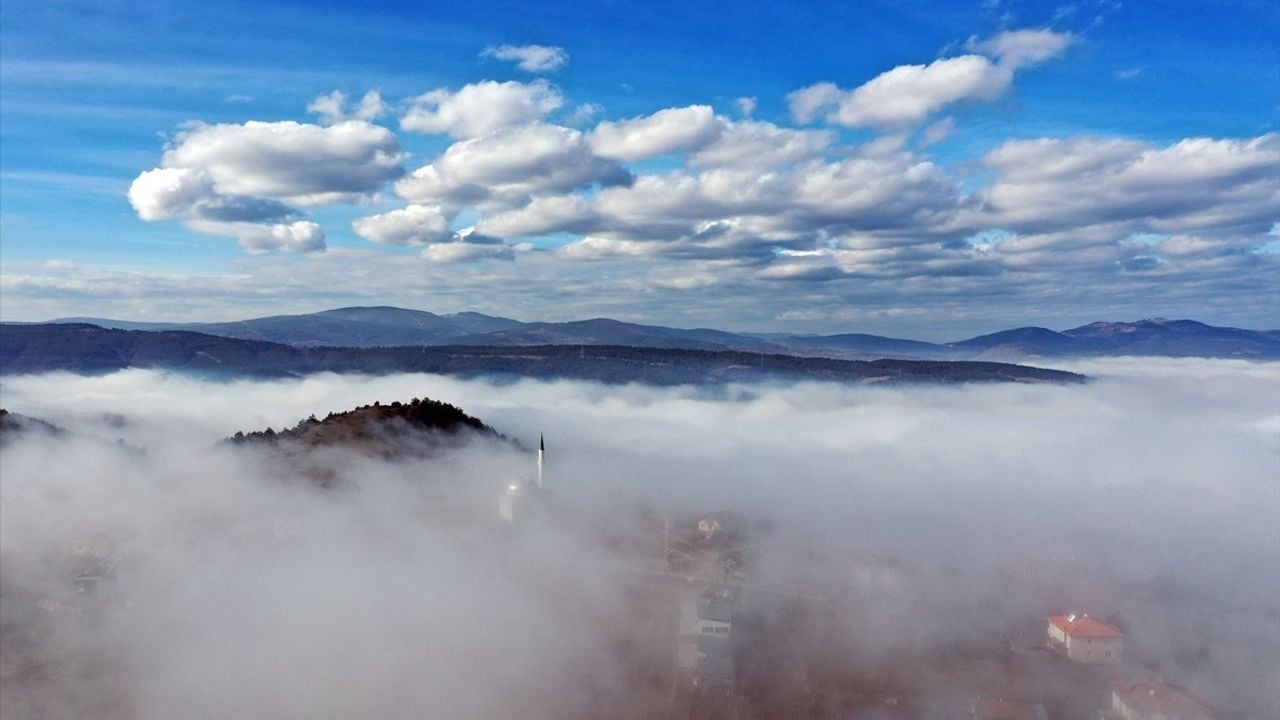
[(940, 514)]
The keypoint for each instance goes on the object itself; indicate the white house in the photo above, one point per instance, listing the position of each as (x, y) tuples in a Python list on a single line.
[(1083, 639)]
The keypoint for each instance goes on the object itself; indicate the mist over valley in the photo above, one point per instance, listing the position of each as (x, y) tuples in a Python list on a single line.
[(900, 547)]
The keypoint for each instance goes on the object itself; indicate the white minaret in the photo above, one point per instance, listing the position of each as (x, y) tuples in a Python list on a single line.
[(542, 452)]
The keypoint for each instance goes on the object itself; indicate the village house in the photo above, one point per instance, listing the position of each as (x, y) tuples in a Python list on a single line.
[(1156, 700), (1083, 639)]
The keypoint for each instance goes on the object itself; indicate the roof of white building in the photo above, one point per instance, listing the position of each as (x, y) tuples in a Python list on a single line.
[(1084, 626)]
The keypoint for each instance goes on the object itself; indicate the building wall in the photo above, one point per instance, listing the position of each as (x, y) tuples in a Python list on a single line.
[(1056, 634), (1096, 650)]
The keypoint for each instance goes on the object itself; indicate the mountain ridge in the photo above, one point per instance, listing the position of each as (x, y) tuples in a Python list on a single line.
[(388, 326), (88, 348)]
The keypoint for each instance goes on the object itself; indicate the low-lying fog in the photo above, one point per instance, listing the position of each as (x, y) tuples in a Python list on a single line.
[(1151, 495)]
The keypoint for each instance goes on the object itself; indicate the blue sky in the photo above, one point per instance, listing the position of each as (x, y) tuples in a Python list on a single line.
[(1161, 119)]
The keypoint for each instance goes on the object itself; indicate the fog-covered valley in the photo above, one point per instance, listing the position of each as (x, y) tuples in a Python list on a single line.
[(929, 519)]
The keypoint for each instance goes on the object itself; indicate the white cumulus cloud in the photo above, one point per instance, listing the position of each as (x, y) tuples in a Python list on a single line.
[(761, 144), (1020, 48), (904, 95), (530, 58), (480, 108), (908, 94), (1206, 185), (333, 108), (291, 161), (302, 236), (666, 131), (508, 167), (412, 225)]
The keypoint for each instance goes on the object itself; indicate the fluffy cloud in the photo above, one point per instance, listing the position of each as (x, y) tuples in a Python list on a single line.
[(429, 226), (1020, 48), (252, 172), (332, 108), (860, 192), (188, 193), (530, 58), (810, 103), (465, 252), (480, 108), (938, 131), (908, 94), (291, 161), (302, 236), (412, 225), (904, 95), (506, 168), (597, 248), (748, 144), (555, 213), (468, 245), (666, 131), (1199, 185), (221, 179)]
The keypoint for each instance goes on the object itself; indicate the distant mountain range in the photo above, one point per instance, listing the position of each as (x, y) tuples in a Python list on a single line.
[(368, 327), (81, 347)]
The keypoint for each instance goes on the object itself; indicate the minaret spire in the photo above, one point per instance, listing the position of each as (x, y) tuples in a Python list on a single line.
[(542, 451)]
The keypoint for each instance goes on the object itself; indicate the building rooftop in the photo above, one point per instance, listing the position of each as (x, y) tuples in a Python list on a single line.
[(1084, 626), (1156, 698)]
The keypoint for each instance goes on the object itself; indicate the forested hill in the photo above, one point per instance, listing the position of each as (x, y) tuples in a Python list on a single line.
[(394, 429), (88, 348)]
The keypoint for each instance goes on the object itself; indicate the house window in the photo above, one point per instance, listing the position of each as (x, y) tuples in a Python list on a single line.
[(722, 630), (708, 629)]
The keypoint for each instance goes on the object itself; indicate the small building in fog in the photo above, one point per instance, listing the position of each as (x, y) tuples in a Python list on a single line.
[(1157, 700), (1084, 639)]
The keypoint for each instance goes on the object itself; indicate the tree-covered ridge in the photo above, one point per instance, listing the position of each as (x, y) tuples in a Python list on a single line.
[(382, 426)]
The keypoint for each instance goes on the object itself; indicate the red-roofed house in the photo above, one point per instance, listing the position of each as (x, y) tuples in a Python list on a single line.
[(1083, 639), (1157, 700)]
